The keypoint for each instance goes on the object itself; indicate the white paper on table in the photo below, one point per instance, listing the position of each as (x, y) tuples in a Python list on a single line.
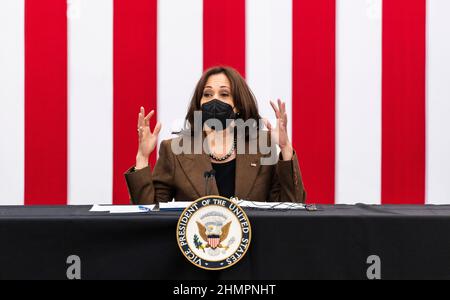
[(174, 205), (99, 208), (122, 209), (271, 205), (242, 203)]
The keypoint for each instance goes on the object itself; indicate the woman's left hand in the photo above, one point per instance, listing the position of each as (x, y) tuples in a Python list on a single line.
[(280, 134)]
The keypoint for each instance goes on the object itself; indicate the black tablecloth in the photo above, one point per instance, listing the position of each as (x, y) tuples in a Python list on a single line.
[(333, 243)]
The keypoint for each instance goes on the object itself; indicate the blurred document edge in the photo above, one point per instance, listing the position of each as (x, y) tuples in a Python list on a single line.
[(122, 209)]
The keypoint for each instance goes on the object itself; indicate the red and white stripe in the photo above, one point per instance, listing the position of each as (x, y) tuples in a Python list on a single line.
[(437, 186), (358, 101), (12, 94), (90, 114), (366, 82)]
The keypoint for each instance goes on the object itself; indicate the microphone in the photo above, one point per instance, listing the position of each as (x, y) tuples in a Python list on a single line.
[(207, 175)]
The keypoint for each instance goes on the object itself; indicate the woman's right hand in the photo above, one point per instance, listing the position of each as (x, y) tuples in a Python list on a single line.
[(147, 138)]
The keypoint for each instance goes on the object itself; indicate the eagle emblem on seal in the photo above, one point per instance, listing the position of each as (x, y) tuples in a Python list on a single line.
[(213, 230)]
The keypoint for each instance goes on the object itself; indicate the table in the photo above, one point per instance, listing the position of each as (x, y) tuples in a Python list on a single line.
[(412, 242)]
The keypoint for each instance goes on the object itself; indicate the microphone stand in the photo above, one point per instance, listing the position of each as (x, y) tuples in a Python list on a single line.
[(207, 176)]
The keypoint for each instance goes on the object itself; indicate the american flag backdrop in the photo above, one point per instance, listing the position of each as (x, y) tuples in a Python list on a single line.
[(367, 83)]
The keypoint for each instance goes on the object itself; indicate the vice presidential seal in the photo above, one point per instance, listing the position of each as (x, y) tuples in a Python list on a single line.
[(214, 233)]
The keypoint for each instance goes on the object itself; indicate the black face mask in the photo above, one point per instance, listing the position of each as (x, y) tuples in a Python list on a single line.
[(216, 109)]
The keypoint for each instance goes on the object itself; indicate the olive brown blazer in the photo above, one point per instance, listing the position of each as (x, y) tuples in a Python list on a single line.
[(181, 177)]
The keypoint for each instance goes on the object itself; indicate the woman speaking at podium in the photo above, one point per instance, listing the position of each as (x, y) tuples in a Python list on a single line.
[(225, 163)]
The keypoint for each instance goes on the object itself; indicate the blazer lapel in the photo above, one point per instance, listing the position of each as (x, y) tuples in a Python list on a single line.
[(194, 167)]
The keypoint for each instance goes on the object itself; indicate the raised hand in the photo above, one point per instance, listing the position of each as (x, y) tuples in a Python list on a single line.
[(147, 138), (279, 134)]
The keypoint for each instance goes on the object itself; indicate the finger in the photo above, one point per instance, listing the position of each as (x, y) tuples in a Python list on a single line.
[(140, 117), (157, 129), (282, 110), (275, 109), (140, 133), (140, 120), (148, 118), (283, 107), (280, 106)]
